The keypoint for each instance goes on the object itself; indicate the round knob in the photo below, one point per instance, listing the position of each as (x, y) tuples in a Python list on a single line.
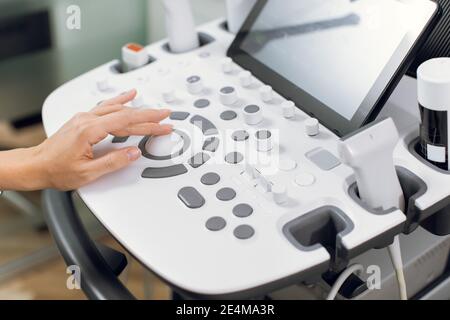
[(165, 147), (246, 78), (312, 127), (266, 93), (280, 194), (194, 84), (228, 95), (288, 109), (168, 95), (263, 140), (227, 65), (252, 114), (138, 101), (103, 84)]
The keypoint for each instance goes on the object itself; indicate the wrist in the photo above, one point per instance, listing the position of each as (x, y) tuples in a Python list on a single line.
[(23, 170)]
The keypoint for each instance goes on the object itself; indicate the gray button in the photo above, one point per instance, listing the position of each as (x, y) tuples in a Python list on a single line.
[(253, 108), (120, 139), (244, 232), (226, 194), (240, 135), (165, 172), (180, 116), (193, 79), (210, 178), (201, 103), (227, 90), (324, 159), (198, 160), (234, 157), (216, 224), (228, 115), (211, 144), (263, 135), (242, 210), (191, 197), (207, 127)]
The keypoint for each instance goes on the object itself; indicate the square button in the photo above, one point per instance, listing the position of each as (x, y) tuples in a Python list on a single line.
[(324, 159)]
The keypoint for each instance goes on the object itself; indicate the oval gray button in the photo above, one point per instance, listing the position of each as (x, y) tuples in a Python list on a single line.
[(240, 135), (244, 232), (210, 178), (242, 210), (226, 194), (216, 224), (234, 157), (191, 197), (253, 108), (228, 115), (201, 103)]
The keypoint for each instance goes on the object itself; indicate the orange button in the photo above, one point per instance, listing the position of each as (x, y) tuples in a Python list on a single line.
[(135, 47)]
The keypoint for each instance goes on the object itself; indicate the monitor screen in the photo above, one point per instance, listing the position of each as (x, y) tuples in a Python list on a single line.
[(340, 54)]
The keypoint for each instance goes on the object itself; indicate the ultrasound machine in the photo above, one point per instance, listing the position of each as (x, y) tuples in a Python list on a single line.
[(283, 128)]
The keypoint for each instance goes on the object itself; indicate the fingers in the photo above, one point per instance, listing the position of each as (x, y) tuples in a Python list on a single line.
[(119, 100), (107, 109), (128, 117), (112, 161), (145, 129)]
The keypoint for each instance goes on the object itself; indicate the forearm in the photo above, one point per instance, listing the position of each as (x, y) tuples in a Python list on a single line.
[(22, 170)]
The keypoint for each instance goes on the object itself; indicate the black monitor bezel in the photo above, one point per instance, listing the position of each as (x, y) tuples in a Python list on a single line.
[(307, 103)]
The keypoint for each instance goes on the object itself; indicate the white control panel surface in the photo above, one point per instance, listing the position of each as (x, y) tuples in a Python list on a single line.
[(205, 208)]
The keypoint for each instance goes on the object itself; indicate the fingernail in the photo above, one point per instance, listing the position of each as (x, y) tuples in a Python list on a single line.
[(127, 92), (166, 110), (134, 154)]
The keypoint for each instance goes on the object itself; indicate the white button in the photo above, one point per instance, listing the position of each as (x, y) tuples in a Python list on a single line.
[(228, 95), (280, 194), (134, 56), (103, 84), (305, 179), (312, 127), (288, 109), (266, 93), (246, 78), (227, 65), (252, 114), (138, 101), (287, 164), (168, 95), (263, 140), (194, 84)]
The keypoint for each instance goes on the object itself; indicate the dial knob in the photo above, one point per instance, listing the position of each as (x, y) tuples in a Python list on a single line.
[(263, 140), (280, 194), (168, 95), (227, 65), (288, 109), (228, 95), (138, 101), (194, 84), (252, 114), (246, 78), (312, 127), (103, 84), (266, 93)]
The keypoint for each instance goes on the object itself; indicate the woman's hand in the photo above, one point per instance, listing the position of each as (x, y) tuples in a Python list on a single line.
[(66, 160)]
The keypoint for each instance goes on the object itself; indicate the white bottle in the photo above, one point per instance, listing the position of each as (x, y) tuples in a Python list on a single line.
[(237, 12), (433, 81), (180, 26)]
